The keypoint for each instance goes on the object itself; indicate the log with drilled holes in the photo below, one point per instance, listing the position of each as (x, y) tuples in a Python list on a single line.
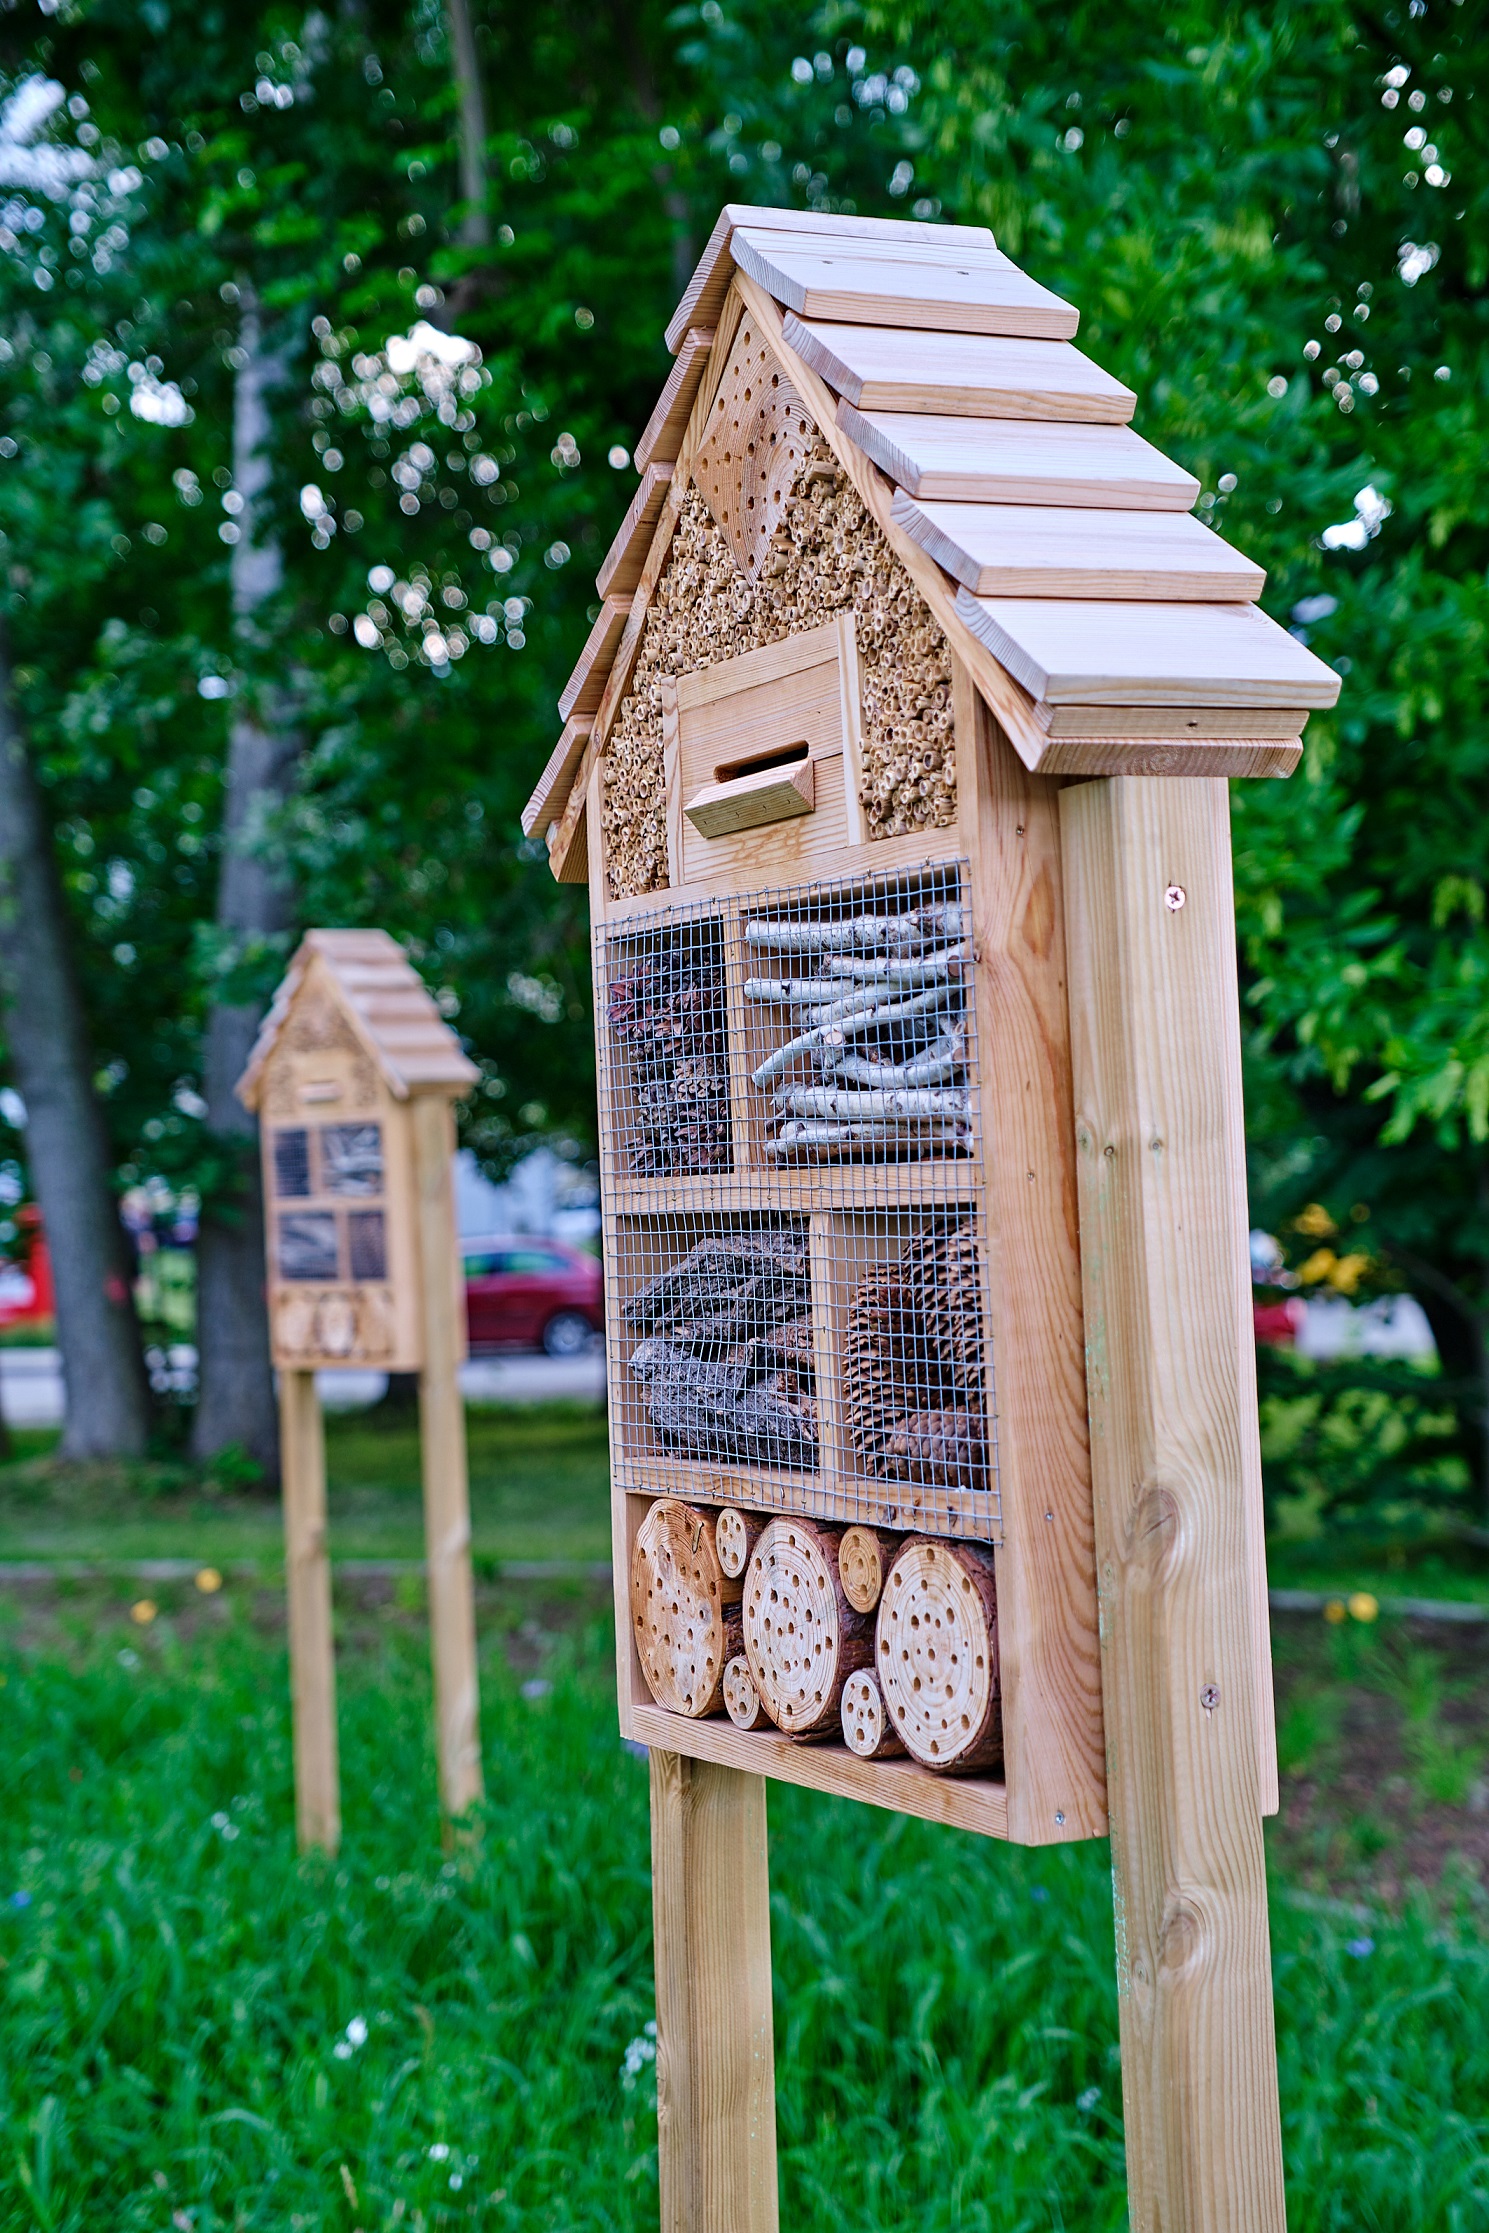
[(802, 1638), (684, 1609), (864, 1558), (936, 1655), (741, 1698), (867, 1728), (735, 1536)]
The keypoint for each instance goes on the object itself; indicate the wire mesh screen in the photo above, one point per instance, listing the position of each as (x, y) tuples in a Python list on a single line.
[(856, 1021), (794, 1230)]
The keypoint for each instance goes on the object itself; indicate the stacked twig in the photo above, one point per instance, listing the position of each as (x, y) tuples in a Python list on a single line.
[(876, 1065), (669, 1012), (726, 1351)]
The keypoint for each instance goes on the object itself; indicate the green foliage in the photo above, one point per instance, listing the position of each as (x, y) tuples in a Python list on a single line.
[(1368, 1450)]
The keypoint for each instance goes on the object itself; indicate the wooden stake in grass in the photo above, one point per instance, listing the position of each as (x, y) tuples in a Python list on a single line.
[(307, 1569), (1155, 1041)]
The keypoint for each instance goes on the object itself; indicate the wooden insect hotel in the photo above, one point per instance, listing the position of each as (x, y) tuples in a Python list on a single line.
[(896, 766), (353, 1077)]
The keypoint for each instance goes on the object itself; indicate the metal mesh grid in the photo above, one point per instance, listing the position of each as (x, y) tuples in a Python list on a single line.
[(799, 1324), (857, 1024)]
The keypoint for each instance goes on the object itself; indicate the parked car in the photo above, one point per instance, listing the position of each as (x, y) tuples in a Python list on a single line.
[(530, 1294)]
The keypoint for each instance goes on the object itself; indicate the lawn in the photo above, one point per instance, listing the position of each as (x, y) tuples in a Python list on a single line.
[(539, 1487), (202, 2031)]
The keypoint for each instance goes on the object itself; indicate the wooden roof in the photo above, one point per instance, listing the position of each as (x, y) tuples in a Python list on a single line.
[(383, 999), (1052, 543)]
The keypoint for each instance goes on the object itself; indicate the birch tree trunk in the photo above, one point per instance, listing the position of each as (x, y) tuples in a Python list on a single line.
[(107, 1402), (235, 1397)]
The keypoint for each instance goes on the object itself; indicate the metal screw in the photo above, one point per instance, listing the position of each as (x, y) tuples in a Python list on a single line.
[(1209, 1698), (1174, 897), (1059, 1821)]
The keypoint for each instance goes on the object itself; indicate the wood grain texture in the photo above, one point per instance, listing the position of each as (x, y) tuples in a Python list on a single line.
[(1163, 1230), (716, 2137), (703, 297), (621, 571), (1050, 550), (452, 1613), (752, 801), (1046, 1577), (553, 784), (1201, 756), (1275, 724), (307, 1574), (851, 282), (583, 690), (1099, 652), (975, 376), (967, 1803), (1010, 461), (661, 438)]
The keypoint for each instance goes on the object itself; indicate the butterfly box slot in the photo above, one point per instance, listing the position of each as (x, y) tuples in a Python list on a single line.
[(746, 794)]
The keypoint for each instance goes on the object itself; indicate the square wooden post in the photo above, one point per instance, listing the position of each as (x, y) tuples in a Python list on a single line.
[(307, 1574), (1186, 1688), (452, 1615), (716, 2113)]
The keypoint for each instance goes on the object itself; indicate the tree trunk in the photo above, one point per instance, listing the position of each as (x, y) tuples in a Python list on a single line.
[(235, 1394), (107, 1402), (474, 229)]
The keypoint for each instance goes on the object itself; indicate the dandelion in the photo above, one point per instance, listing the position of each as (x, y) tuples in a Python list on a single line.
[(1364, 1607), (439, 2151), (1335, 1611), (143, 1611), (356, 2031), (209, 1581)]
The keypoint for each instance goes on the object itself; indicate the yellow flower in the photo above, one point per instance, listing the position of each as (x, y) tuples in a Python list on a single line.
[(1335, 1611), (1363, 1606), (1348, 1272), (209, 1581), (1320, 1265), (143, 1611), (1316, 1222)]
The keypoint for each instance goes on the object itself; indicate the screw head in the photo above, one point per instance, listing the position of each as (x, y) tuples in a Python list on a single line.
[(1174, 898), (1059, 1820), (1209, 1698)]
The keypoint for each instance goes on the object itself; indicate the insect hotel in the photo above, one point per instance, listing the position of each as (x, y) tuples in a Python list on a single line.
[(353, 1078), (896, 765)]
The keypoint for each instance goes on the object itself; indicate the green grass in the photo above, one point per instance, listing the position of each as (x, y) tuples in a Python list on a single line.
[(539, 1486), (177, 1983)]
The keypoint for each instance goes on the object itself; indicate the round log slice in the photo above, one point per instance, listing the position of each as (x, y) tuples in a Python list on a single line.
[(864, 1557), (867, 1728), (735, 1535), (937, 1654), (684, 1635), (741, 1698), (801, 1636)]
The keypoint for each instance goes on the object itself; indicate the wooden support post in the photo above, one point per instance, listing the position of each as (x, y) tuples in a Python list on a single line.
[(1160, 1156), (307, 1573), (452, 1614), (716, 2114)]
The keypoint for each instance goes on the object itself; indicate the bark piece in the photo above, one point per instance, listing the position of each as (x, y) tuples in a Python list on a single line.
[(667, 1013), (867, 1728), (741, 1698), (864, 1558), (936, 1655), (802, 1638), (686, 1631)]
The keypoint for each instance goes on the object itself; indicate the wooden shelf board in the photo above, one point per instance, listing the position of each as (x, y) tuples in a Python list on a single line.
[(1047, 550), (942, 459), (973, 375), (853, 282), (960, 1803), (967, 1515), (1114, 652), (796, 1186)]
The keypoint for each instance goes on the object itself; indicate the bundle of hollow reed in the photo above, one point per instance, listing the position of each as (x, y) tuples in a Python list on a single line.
[(874, 1062), (912, 1365), (668, 1012), (726, 1351)]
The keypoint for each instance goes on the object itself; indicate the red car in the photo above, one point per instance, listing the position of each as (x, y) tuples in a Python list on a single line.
[(526, 1294)]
